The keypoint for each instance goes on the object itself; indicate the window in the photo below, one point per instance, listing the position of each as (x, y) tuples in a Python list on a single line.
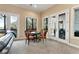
[(13, 24), (8, 22), (31, 23), (45, 26), (2, 24), (76, 23)]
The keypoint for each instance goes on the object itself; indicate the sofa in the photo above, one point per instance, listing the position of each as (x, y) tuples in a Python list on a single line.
[(6, 42)]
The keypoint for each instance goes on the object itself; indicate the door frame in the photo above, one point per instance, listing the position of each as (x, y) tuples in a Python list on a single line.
[(55, 22), (67, 30)]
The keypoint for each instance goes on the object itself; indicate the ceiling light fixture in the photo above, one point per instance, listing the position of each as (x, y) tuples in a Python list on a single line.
[(34, 5)]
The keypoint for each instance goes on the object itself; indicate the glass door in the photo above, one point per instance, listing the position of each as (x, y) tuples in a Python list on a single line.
[(62, 25), (53, 20)]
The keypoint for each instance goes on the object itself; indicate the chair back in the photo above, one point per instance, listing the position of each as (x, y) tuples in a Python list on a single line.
[(43, 33), (26, 33)]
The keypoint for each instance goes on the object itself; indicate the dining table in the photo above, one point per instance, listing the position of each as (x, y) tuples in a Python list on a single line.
[(36, 34)]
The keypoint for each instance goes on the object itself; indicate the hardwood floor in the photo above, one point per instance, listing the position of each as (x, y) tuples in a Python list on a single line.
[(49, 47)]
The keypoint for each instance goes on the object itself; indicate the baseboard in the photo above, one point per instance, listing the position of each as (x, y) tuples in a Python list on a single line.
[(70, 44), (18, 39), (73, 45)]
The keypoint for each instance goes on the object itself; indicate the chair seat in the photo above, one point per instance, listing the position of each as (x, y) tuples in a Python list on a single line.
[(31, 37)]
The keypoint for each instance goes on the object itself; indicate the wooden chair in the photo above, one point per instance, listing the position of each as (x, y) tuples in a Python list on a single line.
[(29, 36), (43, 35)]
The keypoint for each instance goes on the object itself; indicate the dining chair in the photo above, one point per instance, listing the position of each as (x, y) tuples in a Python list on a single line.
[(43, 35), (29, 36)]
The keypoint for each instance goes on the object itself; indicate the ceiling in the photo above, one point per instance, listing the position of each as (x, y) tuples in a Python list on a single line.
[(39, 8)]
